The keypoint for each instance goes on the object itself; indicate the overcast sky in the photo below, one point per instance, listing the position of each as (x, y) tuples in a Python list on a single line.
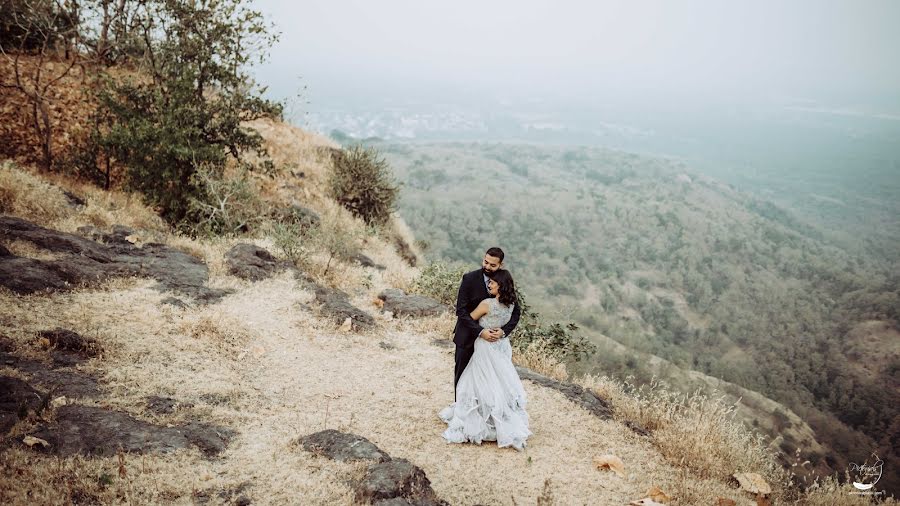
[(783, 49)]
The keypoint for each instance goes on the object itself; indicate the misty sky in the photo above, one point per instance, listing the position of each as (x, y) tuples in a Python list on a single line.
[(821, 50)]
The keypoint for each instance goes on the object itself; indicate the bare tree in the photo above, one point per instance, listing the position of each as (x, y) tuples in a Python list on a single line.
[(45, 29)]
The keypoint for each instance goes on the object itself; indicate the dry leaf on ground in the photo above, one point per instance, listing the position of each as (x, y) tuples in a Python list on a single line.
[(31, 441), (658, 495), (724, 501), (610, 462), (645, 502), (753, 483)]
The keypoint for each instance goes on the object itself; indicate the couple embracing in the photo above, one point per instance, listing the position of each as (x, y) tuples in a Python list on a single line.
[(490, 400)]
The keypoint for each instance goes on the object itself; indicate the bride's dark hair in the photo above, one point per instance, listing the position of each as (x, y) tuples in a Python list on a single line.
[(507, 292)]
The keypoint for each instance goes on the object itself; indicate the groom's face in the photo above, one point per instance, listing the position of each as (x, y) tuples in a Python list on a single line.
[(490, 264)]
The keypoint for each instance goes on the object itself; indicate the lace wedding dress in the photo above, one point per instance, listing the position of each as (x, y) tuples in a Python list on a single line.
[(490, 399)]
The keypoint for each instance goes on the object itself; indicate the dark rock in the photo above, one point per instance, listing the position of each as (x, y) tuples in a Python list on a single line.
[(248, 261), (17, 399), (5, 252), (73, 200), (401, 304), (442, 343), (16, 228), (88, 430), (386, 346), (305, 217), (164, 405), (62, 358), (173, 301), (585, 398), (89, 262), (336, 305), (637, 428), (27, 275), (342, 447), (64, 339), (368, 262), (59, 382), (397, 478), (405, 251), (242, 501), (89, 231), (72, 384)]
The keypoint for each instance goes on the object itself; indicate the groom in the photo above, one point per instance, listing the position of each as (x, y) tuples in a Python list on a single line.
[(472, 290)]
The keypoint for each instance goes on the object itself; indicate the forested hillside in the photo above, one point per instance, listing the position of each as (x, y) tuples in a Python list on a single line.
[(670, 262)]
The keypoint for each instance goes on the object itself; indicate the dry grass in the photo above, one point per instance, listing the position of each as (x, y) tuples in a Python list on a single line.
[(537, 359), (262, 364), (27, 195)]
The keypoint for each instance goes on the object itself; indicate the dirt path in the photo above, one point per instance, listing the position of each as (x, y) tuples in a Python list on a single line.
[(263, 364)]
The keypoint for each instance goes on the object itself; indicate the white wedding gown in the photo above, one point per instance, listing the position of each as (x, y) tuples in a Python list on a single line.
[(490, 399)]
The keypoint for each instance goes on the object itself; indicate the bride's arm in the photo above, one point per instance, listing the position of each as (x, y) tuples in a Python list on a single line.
[(480, 311)]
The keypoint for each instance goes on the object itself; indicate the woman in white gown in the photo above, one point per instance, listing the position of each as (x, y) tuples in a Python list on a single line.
[(490, 399)]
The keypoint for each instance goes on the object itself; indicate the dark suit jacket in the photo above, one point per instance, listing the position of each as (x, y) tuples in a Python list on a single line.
[(471, 292)]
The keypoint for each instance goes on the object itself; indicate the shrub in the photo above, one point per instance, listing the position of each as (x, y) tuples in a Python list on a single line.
[(362, 182), (440, 281), (222, 205), (557, 339)]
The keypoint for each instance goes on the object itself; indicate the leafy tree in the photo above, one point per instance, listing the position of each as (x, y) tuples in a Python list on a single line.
[(362, 182), (185, 109)]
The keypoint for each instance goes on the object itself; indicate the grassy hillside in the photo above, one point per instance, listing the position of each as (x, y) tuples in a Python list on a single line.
[(263, 363), (672, 263)]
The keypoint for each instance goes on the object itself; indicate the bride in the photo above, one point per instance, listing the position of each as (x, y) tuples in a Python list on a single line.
[(490, 399)]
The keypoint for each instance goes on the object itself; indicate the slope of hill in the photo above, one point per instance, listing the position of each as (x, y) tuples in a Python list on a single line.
[(669, 262), (266, 366)]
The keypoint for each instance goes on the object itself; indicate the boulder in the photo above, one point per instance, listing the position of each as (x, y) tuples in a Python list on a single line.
[(88, 262), (585, 398), (248, 261), (87, 430), (386, 482), (416, 306), (368, 262), (337, 307), (17, 399), (342, 446)]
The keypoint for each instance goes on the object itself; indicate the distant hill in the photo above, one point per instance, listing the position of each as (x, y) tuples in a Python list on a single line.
[(667, 261)]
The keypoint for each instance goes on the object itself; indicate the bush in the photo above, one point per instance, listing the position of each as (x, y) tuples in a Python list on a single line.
[(222, 205), (440, 281), (558, 340), (361, 181)]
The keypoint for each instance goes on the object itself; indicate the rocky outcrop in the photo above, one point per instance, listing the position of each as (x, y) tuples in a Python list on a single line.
[(387, 481), (585, 398), (248, 261), (87, 262), (342, 446), (86, 430), (336, 305), (17, 400), (416, 306)]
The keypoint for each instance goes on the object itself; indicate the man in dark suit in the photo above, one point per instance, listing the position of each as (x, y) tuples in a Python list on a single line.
[(472, 290)]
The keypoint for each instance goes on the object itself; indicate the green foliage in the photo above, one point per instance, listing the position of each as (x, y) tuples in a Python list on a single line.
[(560, 340), (222, 205), (440, 281), (35, 25), (362, 182), (290, 240), (185, 112)]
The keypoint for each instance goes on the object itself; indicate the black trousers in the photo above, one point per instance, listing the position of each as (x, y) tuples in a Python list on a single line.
[(463, 355)]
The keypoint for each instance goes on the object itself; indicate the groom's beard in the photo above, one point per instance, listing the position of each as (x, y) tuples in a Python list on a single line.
[(489, 274)]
